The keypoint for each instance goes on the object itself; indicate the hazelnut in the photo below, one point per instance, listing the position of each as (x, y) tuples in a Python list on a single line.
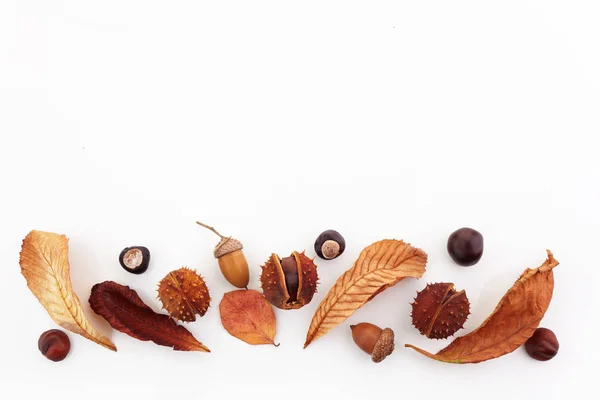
[(135, 259), (289, 282), (377, 342), (329, 245), (439, 311), (542, 345), (54, 345), (231, 259), (465, 246)]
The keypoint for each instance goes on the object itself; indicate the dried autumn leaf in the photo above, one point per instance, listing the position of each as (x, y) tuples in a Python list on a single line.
[(248, 316), (514, 320), (44, 261), (379, 266), (126, 312)]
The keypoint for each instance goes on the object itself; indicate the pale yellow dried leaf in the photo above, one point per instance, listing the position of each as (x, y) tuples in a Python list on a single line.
[(379, 266), (44, 261), (515, 319)]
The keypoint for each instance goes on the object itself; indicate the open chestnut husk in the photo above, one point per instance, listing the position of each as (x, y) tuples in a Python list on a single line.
[(289, 282)]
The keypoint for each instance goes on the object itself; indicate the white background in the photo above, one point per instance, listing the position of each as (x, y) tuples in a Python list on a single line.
[(122, 122)]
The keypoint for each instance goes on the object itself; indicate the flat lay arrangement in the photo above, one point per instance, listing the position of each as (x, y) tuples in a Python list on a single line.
[(439, 310)]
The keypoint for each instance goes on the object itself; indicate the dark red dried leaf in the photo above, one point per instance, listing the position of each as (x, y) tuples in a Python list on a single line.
[(126, 312)]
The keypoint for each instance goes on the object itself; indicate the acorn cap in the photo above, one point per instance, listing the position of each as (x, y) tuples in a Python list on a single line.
[(384, 346), (227, 245)]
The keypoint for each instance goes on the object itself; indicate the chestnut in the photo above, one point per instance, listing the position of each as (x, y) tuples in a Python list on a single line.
[(54, 345), (135, 259), (465, 246), (330, 244), (542, 345), (289, 282)]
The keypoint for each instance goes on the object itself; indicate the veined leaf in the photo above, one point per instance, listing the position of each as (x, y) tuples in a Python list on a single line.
[(44, 261), (379, 266), (515, 319)]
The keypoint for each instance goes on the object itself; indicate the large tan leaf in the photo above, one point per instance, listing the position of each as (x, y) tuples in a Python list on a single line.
[(514, 320), (379, 266), (45, 265)]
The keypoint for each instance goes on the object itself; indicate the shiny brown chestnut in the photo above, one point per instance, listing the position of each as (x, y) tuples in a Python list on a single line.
[(330, 244), (465, 246), (54, 345), (135, 259), (542, 345)]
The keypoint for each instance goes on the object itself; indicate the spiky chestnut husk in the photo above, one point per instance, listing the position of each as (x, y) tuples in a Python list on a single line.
[(291, 282), (439, 311), (184, 294)]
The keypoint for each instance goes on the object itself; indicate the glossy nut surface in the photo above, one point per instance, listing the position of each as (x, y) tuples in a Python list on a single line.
[(465, 246), (330, 244), (54, 345), (234, 268), (542, 345), (135, 259), (289, 282)]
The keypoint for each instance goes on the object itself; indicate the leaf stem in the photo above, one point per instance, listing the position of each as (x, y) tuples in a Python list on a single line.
[(210, 228)]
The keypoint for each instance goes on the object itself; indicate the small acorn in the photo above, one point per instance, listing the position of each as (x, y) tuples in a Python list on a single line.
[(135, 259), (377, 342), (330, 244), (290, 282), (232, 261), (183, 293), (439, 311)]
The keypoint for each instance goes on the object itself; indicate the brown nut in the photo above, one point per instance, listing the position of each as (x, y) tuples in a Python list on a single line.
[(54, 345), (289, 282), (377, 342), (232, 261), (542, 345)]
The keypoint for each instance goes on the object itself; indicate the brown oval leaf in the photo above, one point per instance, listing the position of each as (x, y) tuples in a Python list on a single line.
[(514, 320), (44, 261), (248, 316), (379, 266), (126, 312)]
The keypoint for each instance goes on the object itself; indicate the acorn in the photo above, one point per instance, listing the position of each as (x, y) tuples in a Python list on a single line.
[(376, 342), (232, 261), (439, 311), (289, 282), (183, 293)]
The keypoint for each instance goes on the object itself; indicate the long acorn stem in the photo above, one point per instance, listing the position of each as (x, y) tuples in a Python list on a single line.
[(211, 229)]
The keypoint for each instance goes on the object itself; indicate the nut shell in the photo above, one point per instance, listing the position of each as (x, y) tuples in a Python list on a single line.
[(274, 285), (226, 246), (542, 345), (54, 345), (384, 346), (184, 294), (439, 311)]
